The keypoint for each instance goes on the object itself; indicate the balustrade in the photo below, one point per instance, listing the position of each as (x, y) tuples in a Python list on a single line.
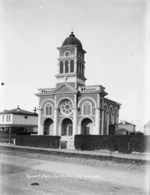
[(46, 90), (90, 88)]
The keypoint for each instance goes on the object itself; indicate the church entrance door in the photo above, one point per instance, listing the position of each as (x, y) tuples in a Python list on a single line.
[(112, 129), (67, 127), (48, 126), (66, 133), (86, 126)]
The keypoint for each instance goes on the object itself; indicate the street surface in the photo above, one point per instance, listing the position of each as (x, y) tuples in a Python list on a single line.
[(26, 173)]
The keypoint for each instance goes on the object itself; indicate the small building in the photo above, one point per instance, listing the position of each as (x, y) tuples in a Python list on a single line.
[(18, 120), (129, 127), (147, 128), (122, 131)]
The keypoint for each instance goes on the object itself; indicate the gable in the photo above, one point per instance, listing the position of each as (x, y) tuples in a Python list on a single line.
[(64, 88)]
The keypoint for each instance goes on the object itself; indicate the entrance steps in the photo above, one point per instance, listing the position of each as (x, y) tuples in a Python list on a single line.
[(70, 145), (67, 142)]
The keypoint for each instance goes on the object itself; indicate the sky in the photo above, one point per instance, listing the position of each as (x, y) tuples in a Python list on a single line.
[(115, 34)]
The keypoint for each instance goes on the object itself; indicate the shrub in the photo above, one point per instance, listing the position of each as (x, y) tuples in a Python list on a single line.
[(38, 141), (120, 143)]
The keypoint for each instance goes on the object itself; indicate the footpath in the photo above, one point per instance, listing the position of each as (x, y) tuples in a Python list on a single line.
[(141, 158)]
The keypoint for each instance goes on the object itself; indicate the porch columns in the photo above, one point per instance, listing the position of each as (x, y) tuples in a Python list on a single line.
[(97, 122)]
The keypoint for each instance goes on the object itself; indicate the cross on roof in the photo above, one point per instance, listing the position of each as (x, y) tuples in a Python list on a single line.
[(66, 79)]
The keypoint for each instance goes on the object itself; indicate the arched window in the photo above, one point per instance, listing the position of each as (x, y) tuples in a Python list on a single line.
[(66, 67), (78, 67), (48, 110), (105, 114), (110, 116), (82, 70), (105, 120), (86, 110), (61, 67), (72, 66), (115, 117)]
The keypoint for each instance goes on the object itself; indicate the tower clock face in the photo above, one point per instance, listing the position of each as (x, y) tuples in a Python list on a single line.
[(66, 107), (67, 53)]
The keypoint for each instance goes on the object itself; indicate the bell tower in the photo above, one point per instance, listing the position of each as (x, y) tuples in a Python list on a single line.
[(71, 64)]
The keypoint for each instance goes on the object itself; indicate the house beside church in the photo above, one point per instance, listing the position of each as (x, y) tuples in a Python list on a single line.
[(125, 128), (71, 107), (18, 120)]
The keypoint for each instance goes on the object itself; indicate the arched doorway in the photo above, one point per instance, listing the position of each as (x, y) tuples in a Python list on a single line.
[(67, 128), (86, 126), (48, 126), (112, 129)]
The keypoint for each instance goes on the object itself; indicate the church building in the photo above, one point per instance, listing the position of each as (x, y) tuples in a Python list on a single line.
[(71, 107)]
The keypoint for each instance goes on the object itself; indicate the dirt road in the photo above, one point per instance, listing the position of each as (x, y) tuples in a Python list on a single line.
[(33, 174)]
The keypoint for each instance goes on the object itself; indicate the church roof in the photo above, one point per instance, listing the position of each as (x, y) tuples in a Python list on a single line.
[(72, 40), (125, 123)]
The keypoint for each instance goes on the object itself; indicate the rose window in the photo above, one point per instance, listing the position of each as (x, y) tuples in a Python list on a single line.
[(66, 107)]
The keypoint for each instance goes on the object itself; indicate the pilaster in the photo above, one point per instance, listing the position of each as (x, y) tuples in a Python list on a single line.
[(97, 122), (97, 116), (102, 123), (79, 129), (75, 61), (55, 131), (40, 126), (58, 67), (107, 124), (75, 110)]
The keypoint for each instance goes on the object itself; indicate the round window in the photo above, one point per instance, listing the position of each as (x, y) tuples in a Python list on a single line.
[(66, 107), (67, 53)]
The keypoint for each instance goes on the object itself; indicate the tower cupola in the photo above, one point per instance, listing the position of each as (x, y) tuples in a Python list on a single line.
[(72, 40), (71, 64)]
